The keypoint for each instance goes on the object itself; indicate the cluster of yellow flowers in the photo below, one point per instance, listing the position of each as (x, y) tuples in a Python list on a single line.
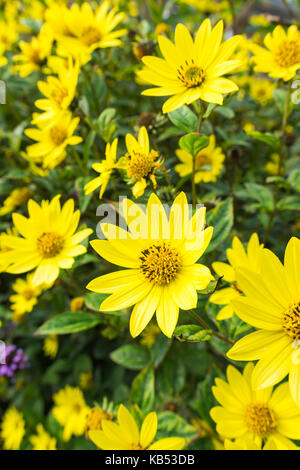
[(162, 272)]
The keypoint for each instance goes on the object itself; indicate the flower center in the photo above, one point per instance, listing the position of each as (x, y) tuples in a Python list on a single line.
[(28, 294), (90, 36), (288, 54), (34, 56), (58, 94), (57, 135), (191, 75), (260, 419), (202, 160), (291, 321), (160, 263), (50, 244), (77, 407), (95, 418), (140, 165)]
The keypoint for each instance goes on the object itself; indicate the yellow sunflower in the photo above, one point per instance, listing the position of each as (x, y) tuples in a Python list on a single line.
[(237, 256), (12, 429), (70, 410), (258, 415), (191, 70), (48, 240), (126, 435), (281, 57), (105, 168), (208, 162), (160, 255), (139, 162), (52, 140), (271, 304)]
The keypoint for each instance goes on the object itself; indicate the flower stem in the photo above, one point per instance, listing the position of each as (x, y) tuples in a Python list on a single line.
[(207, 327)]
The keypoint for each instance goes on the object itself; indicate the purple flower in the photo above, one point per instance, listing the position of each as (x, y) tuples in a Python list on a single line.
[(15, 360)]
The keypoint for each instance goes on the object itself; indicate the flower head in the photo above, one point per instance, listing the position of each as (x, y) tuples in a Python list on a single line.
[(48, 240), (208, 162), (126, 435), (272, 305), (259, 415), (160, 255), (237, 256), (25, 297), (191, 70), (281, 57), (17, 197), (42, 440), (50, 346), (70, 410), (12, 429)]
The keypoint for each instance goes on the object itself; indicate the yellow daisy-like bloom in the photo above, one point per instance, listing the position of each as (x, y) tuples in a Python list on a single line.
[(250, 444), (191, 70), (160, 255), (52, 140), (25, 298), (208, 162), (70, 411), (237, 256), (59, 93), (105, 169), (259, 20), (76, 304), (50, 346), (261, 89), (139, 161), (259, 415), (42, 440), (272, 304), (95, 418), (12, 429), (207, 6), (126, 435), (79, 30), (273, 165), (48, 242), (281, 59), (16, 198), (33, 53)]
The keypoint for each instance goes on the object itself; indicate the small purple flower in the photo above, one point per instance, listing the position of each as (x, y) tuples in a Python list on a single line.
[(15, 360)]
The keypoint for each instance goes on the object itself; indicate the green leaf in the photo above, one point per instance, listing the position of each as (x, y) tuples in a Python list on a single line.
[(142, 389), (106, 124), (221, 219), (262, 194), (69, 322), (171, 377), (294, 179), (192, 333), (131, 356), (267, 138), (193, 143), (170, 424), (160, 348), (184, 119), (291, 203), (226, 112)]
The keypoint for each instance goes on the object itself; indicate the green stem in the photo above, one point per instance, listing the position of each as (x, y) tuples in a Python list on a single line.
[(207, 327)]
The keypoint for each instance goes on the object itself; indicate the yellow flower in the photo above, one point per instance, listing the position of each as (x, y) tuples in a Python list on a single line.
[(272, 304), (4, 248), (70, 411), (126, 435), (59, 93), (208, 162), (26, 297), (207, 6), (42, 440), (95, 418), (139, 162), (260, 415), (33, 53), (259, 20), (191, 70), (48, 243), (12, 429), (273, 165), (16, 198), (86, 379), (160, 255), (50, 346), (237, 256), (76, 304), (281, 59), (52, 140), (161, 28), (250, 444), (105, 169), (79, 30), (261, 89)]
